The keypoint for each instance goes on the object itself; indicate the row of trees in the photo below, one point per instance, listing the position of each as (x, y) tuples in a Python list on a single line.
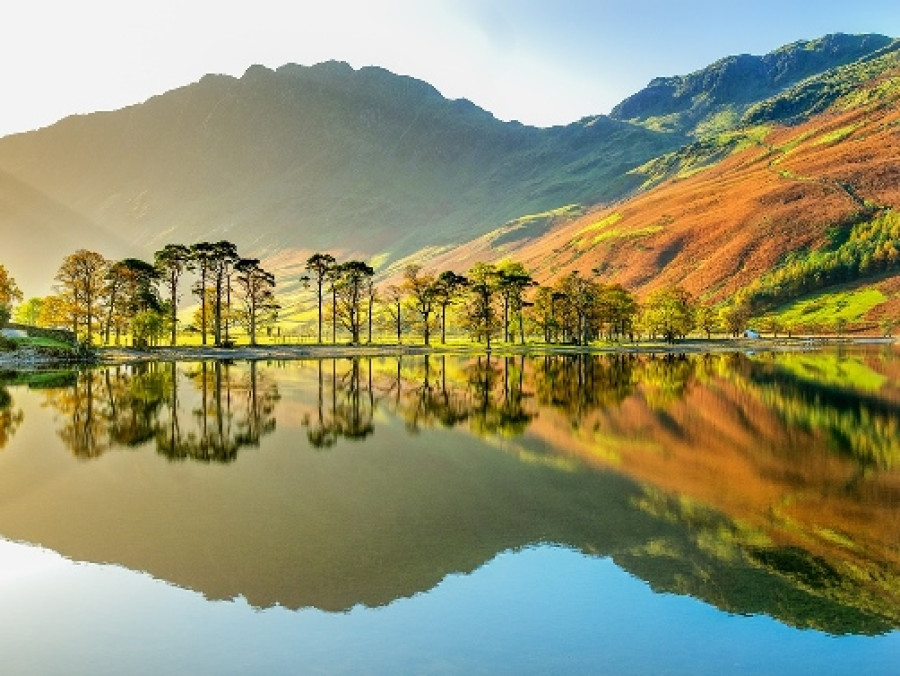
[(109, 299), (491, 302)]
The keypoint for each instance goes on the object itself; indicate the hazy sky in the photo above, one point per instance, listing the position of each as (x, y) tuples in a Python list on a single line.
[(542, 62)]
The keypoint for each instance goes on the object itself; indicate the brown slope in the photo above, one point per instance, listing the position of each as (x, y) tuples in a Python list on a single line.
[(718, 229)]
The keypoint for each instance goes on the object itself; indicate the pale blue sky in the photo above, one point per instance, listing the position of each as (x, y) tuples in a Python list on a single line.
[(539, 61)]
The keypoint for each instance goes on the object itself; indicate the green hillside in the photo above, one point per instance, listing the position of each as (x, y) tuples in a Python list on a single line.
[(370, 164), (324, 157), (717, 97)]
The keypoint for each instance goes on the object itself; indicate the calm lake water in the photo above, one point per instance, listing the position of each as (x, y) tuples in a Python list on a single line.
[(525, 515)]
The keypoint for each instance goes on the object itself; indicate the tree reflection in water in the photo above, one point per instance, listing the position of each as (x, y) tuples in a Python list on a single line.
[(764, 483), (352, 405), (129, 406), (10, 417)]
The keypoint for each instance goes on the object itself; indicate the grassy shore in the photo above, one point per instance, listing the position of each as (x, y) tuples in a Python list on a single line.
[(329, 351), (36, 356)]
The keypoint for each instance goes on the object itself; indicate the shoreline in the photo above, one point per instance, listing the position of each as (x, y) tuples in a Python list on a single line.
[(340, 351), (129, 355)]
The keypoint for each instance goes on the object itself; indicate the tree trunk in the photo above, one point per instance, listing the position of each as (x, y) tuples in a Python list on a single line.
[(203, 306), (218, 317), (320, 310), (174, 282), (333, 316)]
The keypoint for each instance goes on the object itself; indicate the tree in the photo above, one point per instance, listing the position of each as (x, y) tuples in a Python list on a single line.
[(577, 307), (171, 262), (395, 295), (840, 325), (772, 324), (422, 292), (542, 313), (9, 294), (735, 317), (615, 309), (117, 276), (223, 260), (82, 278), (333, 277), (669, 312), (371, 297), (706, 320), (481, 315), (148, 326), (29, 312), (447, 288), (351, 286), (256, 285), (319, 266), (55, 313), (205, 312), (202, 258), (130, 289), (512, 281)]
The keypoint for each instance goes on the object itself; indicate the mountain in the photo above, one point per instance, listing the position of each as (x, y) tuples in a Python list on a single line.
[(800, 196), (316, 158), (718, 180), (717, 96)]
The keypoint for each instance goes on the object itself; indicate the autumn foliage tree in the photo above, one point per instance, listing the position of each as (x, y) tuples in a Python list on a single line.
[(9, 294), (669, 312), (482, 318), (421, 289), (82, 279)]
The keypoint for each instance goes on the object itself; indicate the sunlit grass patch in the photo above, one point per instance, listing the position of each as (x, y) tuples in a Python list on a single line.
[(621, 233), (605, 222), (41, 342), (741, 139), (828, 308), (838, 135)]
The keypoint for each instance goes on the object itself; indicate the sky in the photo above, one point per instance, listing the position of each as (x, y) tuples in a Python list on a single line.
[(542, 62)]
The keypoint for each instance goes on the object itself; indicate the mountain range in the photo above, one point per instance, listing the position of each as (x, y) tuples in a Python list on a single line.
[(729, 170)]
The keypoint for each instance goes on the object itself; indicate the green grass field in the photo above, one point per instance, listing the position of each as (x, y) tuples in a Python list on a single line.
[(829, 309)]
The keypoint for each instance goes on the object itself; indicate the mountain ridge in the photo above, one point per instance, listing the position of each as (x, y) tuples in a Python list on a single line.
[(366, 163), (302, 152), (731, 84)]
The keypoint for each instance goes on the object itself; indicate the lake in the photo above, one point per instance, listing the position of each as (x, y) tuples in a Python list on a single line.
[(549, 514)]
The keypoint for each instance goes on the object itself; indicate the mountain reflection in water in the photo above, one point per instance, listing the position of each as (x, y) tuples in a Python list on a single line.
[(760, 484)]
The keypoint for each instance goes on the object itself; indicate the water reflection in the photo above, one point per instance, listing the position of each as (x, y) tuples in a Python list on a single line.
[(10, 417), (235, 410), (351, 404), (224, 409), (760, 484)]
